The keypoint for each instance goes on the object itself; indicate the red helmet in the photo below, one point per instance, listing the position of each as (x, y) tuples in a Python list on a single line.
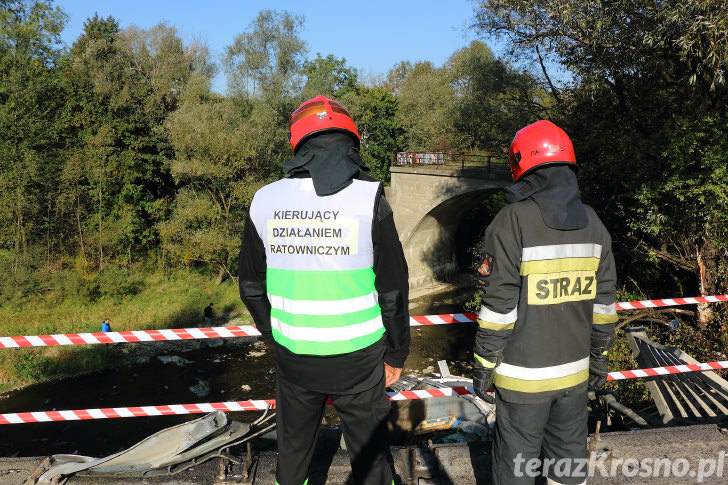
[(540, 143), (317, 115)]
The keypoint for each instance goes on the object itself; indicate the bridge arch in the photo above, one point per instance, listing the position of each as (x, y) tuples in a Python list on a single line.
[(430, 205)]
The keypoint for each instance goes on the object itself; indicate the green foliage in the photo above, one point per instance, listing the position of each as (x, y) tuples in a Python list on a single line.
[(118, 284), (474, 102), (197, 231), (329, 76), (647, 116), (31, 366), (374, 111), (682, 43), (120, 87), (265, 61), (29, 52), (18, 284), (493, 100), (423, 109), (34, 365), (225, 148), (128, 157), (397, 77), (113, 283)]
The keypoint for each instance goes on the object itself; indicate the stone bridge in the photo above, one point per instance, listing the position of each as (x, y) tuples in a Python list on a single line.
[(429, 204)]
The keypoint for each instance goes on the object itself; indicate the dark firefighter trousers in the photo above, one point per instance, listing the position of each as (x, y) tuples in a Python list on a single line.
[(544, 439), (364, 421)]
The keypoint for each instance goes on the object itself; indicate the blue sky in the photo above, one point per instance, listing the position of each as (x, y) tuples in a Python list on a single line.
[(372, 35)]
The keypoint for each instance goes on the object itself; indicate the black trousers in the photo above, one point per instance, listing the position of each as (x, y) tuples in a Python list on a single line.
[(364, 421), (548, 438)]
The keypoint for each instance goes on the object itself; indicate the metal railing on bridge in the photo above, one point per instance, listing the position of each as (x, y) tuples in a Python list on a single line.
[(450, 159)]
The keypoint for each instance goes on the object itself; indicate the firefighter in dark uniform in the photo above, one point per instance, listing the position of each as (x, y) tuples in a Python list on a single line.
[(323, 274), (548, 313)]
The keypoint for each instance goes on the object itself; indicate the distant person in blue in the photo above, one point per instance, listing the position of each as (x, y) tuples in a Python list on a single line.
[(106, 327)]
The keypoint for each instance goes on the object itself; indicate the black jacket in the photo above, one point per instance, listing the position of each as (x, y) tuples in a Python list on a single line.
[(548, 292)]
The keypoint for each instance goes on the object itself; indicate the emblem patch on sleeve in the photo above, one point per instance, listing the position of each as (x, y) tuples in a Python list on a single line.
[(486, 267)]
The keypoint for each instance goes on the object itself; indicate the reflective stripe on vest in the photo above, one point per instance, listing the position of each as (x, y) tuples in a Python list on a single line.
[(319, 278)]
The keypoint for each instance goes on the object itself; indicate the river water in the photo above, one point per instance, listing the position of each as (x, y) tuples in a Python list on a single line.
[(213, 371)]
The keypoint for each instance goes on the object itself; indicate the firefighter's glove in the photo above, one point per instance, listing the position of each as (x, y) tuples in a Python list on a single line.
[(600, 344), (483, 374)]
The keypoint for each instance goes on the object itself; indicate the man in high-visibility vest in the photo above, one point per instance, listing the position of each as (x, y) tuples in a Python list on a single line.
[(323, 274), (548, 313)]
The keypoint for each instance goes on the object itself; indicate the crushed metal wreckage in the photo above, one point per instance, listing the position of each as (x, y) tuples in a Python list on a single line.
[(166, 452), (682, 398)]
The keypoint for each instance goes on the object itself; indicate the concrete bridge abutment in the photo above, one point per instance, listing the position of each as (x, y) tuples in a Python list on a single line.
[(430, 204)]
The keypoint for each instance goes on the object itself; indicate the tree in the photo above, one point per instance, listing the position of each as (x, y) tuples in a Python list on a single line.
[(328, 76), (265, 67), (29, 51), (397, 76), (266, 60), (424, 105), (162, 66), (473, 102), (92, 78), (680, 41), (122, 84), (493, 99), (218, 165), (374, 111)]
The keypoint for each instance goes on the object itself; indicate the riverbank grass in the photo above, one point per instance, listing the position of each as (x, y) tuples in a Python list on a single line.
[(159, 301)]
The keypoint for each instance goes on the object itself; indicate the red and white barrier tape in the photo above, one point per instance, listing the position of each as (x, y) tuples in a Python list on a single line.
[(443, 319), (133, 412), (173, 409), (130, 336), (663, 371), (257, 405), (250, 331), (635, 305)]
